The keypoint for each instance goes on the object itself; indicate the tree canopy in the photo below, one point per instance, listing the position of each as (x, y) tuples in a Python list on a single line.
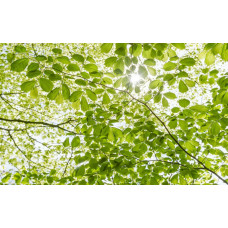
[(133, 114)]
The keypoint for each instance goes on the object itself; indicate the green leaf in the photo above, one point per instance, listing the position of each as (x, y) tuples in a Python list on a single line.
[(33, 66), (33, 74), (19, 65), (75, 96), (78, 58), (215, 129), (142, 71), (184, 102), (150, 62), (190, 83), (91, 67), (57, 67), (53, 94), (66, 142), (46, 84), (179, 45), (80, 171), (63, 59), (41, 58), (188, 62), (81, 82), (20, 49), (91, 95), (84, 104), (65, 91), (152, 71), (170, 95), (182, 87), (136, 49), (165, 103), (210, 58), (199, 108), (75, 142), (106, 99), (10, 57), (27, 86), (107, 80), (54, 77), (154, 84), (121, 51), (57, 51), (169, 66), (106, 47), (73, 67), (172, 124), (157, 98), (109, 62), (183, 125)]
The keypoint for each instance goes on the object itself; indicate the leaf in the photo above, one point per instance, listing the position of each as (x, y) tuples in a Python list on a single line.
[(53, 94), (57, 67), (57, 51), (157, 98), (65, 91), (66, 142), (27, 86), (106, 99), (73, 67), (19, 65), (33, 74), (20, 49), (84, 104), (169, 66), (54, 77), (214, 129), (107, 80), (182, 87), (41, 58), (78, 58), (106, 47), (184, 102), (75, 96), (165, 103), (152, 71), (91, 67), (136, 49), (75, 142), (121, 51), (170, 95), (172, 124), (150, 62), (63, 59), (210, 58), (183, 125), (80, 171), (59, 99), (34, 93), (142, 71), (179, 45), (154, 84), (199, 108), (81, 82), (10, 57), (46, 84), (33, 66), (188, 62), (109, 62), (91, 95)]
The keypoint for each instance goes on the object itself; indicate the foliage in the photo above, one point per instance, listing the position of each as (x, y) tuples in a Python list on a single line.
[(113, 113)]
